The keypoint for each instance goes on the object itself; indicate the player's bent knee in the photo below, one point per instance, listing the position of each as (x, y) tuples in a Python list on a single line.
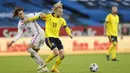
[(36, 49), (32, 56), (62, 56), (114, 43), (56, 54)]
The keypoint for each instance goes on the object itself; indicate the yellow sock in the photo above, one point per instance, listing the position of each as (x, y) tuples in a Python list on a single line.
[(110, 49), (114, 52), (58, 61), (50, 57)]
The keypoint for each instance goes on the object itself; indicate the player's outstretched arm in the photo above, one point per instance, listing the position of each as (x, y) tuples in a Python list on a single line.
[(41, 15), (18, 36), (10, 44), (26, 20)]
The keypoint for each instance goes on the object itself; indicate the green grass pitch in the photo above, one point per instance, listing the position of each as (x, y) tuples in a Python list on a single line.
[(71, 64)]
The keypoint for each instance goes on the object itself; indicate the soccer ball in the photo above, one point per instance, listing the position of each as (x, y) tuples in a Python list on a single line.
[(93, 67)]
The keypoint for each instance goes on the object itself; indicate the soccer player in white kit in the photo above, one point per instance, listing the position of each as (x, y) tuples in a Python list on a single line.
[(31, 28)]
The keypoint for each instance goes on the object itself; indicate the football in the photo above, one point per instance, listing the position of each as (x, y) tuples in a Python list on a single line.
[(93, 67)]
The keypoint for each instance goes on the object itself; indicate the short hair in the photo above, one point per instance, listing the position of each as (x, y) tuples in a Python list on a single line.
[(16, 10), (57, 5)]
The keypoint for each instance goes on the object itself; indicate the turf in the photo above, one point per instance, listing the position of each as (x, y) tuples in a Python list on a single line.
[(71, 64)]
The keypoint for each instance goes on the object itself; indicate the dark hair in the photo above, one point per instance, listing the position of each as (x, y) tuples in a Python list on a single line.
[(16, 10)]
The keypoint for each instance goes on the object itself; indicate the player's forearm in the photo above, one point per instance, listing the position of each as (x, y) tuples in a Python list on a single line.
[(33, 18), (119, 31), (18, 36), (12, 42), (68, 31)]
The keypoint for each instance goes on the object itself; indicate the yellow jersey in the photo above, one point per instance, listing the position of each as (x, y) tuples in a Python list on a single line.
[(112, 22), (53, 25)]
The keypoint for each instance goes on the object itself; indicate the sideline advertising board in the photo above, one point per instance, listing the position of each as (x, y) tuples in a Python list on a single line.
[(77, 45)]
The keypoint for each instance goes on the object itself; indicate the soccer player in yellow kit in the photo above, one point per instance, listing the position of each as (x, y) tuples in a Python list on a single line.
[(53, 23), (111, 30)]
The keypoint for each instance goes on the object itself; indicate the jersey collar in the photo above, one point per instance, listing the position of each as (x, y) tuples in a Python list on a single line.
[(54, 15)]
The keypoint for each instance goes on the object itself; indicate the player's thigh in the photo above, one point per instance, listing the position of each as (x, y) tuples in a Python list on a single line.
[(114, 39), (40, 42), (50, 42), (36, 41), (59, 44), (61, 52)]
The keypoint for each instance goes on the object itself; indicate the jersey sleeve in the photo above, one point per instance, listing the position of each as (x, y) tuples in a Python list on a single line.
[(107, 18), (64, 23), (33, 14), (19, 34), (66, 27)]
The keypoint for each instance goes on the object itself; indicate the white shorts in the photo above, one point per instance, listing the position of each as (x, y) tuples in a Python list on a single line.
[(38, 40)]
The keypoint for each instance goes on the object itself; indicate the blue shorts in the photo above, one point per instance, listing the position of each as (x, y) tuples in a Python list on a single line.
[(112, 38), (53, 43)]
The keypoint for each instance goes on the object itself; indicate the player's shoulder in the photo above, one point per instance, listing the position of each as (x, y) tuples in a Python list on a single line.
[(20, 23), (117, 15), (109, 14), (61, 18)]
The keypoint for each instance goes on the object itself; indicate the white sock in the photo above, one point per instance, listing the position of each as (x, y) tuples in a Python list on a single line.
[(37, 58)]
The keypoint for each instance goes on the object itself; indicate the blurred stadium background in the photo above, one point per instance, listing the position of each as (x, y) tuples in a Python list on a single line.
[(86, 19)]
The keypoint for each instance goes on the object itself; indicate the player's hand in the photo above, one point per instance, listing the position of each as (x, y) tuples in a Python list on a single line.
[(42, 15), (71, 36), (121, 37), (10, 44), (105, 34)]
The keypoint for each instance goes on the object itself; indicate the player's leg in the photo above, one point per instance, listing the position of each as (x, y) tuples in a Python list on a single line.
[(40, 68), (35, 54), (33, 57), (58, 61), (114, 48), (60, 56), (35, 43), (109, 49), (51, 44), (38, 45), (114, 54)]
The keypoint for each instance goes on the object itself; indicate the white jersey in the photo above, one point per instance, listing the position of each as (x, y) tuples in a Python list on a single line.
[(29, 29)]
